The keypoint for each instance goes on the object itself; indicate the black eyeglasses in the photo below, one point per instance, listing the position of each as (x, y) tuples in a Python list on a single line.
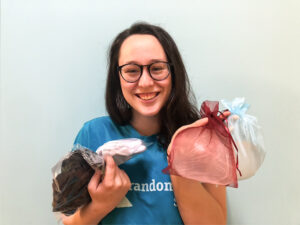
[(132, 72)]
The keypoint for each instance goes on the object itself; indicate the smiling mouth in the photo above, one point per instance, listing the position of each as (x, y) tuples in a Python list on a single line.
[(147, 96)]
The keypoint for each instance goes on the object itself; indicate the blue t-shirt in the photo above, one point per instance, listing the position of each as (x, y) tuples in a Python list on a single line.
[(150, 199)]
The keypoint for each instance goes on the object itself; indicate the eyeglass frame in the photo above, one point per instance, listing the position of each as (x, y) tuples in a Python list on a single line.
[(169, 65)]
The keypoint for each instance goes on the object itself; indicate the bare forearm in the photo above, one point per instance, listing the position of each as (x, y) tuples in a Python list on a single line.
[(88, 215), (199, 203)]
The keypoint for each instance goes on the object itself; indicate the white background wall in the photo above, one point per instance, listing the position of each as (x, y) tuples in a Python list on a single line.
[(53, 72)]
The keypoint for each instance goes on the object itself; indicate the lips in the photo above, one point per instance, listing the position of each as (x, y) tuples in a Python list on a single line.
[(147, 96)]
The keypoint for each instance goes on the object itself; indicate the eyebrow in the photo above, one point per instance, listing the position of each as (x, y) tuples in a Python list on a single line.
[(151, 61)]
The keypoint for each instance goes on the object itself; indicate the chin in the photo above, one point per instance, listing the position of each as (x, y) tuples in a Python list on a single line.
[(147, 113)]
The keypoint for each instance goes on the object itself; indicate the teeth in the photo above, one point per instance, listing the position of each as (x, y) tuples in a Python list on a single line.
[(147, 96)]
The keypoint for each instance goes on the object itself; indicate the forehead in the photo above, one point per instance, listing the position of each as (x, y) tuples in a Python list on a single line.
[(142, 49)]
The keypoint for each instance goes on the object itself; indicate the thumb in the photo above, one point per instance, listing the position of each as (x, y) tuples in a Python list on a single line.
[(110, 168), (203, 121)]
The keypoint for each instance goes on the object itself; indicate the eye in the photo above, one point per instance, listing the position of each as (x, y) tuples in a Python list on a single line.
[(157, 68), (131, 69)]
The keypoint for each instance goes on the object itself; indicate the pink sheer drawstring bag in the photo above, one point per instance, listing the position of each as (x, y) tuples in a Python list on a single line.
[(204, 153)]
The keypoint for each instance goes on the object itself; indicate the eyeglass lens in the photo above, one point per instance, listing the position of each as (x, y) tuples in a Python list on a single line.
[(132, 72)]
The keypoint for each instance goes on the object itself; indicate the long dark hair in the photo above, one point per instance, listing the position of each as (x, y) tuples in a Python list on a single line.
[(179, 109)]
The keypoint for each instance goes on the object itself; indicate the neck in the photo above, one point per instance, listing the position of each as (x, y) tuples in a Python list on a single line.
[(146, 126)]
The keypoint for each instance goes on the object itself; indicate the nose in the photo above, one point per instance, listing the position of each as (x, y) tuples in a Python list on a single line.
[(145, 79)]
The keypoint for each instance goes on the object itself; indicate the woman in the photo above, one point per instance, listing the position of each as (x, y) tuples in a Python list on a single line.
[(147, 97)]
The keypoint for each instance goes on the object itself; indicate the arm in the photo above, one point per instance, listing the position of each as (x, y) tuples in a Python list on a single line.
[(200, 203), (105, 195)]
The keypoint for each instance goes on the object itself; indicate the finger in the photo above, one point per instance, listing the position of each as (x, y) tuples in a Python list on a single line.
[(224, 115), (110, 170), (124, 176), (118, 181), (235, 117), (125, 179), (95, 180)]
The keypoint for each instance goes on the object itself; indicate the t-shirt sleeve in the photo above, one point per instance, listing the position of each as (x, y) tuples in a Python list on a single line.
[(82, 137), (93, 134)]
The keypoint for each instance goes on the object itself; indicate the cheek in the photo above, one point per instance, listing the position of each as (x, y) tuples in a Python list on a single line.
[(126, 88)]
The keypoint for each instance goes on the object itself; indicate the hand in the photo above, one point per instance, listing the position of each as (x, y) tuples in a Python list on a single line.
[(234, 118), (223, 116), (112, 189)]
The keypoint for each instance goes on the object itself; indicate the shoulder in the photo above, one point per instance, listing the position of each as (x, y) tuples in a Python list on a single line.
[(99, 122), (96, 132), (100, 126)]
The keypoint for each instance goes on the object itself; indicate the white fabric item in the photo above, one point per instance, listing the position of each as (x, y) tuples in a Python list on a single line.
[(247, 135), (123, 149)]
